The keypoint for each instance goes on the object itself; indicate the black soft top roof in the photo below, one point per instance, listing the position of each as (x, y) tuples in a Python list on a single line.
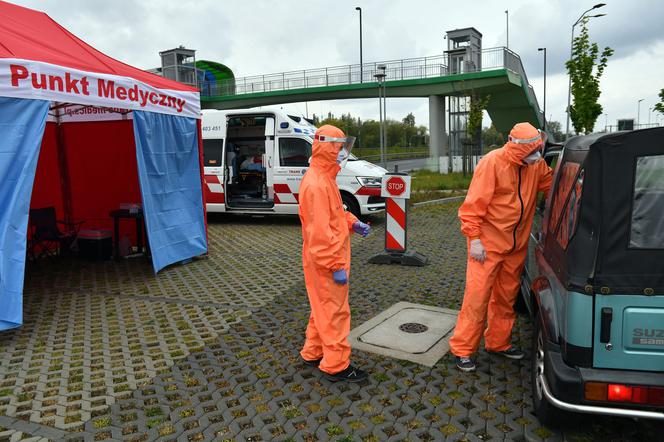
[(599, 257), (584, 142)]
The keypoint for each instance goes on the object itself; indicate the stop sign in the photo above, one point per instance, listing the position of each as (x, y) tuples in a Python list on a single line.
[(395, 186)]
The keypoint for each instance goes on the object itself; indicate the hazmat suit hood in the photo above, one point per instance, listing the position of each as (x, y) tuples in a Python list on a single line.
[(324, 154), (524, 138)]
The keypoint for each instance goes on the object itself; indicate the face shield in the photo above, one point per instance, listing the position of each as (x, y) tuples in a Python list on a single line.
[(539, 141), (346, 147)]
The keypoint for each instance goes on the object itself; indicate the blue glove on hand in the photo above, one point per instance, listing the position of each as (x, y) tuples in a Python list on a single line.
[(361, 228), (340, 277)]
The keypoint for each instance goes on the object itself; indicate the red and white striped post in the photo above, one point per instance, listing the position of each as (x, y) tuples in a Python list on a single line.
[(396, 191), (395, 225)]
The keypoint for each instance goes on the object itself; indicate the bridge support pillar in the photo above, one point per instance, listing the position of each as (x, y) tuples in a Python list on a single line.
[(437, 132)]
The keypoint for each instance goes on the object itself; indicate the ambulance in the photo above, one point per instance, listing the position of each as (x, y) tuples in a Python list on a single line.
[(254, 161)]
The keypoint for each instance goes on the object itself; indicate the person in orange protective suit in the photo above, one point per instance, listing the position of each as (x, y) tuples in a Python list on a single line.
[(326, 231), (496, 217)]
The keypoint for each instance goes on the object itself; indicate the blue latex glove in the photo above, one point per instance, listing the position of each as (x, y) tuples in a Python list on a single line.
[(340, 277), (361, 228)]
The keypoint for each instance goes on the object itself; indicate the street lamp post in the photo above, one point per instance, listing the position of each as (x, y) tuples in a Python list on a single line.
[(571, 54), (649, 111), (638, 113), (361, 64), (380, 77), (544, 49), (507, 27)]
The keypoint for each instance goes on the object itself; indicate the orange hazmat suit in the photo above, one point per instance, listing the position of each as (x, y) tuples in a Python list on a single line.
[(326, 229), (498, 210)]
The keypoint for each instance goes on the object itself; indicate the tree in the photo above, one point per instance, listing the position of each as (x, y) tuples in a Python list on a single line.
[(555, 129), (659, 107), (409, 120), (409, 130), (585, 70), (399, 133), (491, 138), (332, 120), (477, 106)]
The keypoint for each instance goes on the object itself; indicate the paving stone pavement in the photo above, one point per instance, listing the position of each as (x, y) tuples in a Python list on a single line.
[(209, 351)]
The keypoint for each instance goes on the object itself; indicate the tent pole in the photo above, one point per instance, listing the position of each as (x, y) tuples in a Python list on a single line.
[(65, 184)]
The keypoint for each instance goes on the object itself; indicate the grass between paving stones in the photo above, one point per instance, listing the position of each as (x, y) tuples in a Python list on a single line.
[(155, 421), (102, 423), (225, 363), (543, 432), (291, 411), (334, 430), (167, 429)]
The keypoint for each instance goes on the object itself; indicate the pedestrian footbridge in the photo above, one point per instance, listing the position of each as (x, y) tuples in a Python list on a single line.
[(497, 73)]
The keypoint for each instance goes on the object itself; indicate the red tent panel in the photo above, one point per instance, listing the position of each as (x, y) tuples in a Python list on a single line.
[(103, 174), (46, 191), (102, 169)]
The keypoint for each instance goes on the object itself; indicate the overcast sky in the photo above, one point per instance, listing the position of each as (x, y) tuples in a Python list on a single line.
[(260, 37)]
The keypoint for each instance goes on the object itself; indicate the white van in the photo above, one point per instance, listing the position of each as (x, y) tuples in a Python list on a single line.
[(254, 162)]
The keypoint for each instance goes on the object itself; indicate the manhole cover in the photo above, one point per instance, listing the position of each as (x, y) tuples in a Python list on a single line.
[(413, 332), (413, 327)]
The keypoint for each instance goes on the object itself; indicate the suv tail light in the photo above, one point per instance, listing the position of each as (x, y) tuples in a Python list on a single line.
[(600, 391)]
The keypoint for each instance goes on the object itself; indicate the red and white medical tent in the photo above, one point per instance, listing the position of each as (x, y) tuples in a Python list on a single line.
[(85, 133)]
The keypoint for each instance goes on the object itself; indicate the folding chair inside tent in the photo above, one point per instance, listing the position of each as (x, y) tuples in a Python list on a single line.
[(45, 239)]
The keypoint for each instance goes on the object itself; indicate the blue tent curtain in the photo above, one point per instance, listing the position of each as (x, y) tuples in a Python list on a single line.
[(169, 174), (22, 124)]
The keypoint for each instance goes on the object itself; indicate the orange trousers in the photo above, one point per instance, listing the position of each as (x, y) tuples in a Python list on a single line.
[(488, 303), (329, 321)]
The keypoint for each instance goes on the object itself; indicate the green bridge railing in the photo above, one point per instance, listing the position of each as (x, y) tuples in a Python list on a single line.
[(404, 69)]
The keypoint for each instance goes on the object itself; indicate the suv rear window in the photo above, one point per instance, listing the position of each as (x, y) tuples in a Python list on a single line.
[(566, 203), (647, 228), (565, 183), (570, 215)]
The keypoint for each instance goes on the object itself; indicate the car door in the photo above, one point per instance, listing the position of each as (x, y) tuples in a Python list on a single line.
[(531, 270), (213, 168), (268, 156)]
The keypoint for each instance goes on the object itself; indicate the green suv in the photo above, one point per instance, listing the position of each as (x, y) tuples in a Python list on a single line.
[(594, 278)]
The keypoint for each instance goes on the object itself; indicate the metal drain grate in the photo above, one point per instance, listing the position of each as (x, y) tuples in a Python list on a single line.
[(413, 327)]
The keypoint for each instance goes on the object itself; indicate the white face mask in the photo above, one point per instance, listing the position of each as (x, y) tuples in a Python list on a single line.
[(533, 158), (342, 157)]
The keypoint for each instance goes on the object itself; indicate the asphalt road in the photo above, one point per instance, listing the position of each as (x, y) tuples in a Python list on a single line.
[(407, 165)]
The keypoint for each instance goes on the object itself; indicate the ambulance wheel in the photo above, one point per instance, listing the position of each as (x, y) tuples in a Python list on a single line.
[(350, 204), (547, 413)]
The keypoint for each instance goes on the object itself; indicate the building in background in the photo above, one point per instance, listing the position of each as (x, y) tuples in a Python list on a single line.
[(180, 64)]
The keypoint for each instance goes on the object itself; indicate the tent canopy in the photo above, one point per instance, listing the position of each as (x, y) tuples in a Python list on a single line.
[(40, 59), (58, 147)]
